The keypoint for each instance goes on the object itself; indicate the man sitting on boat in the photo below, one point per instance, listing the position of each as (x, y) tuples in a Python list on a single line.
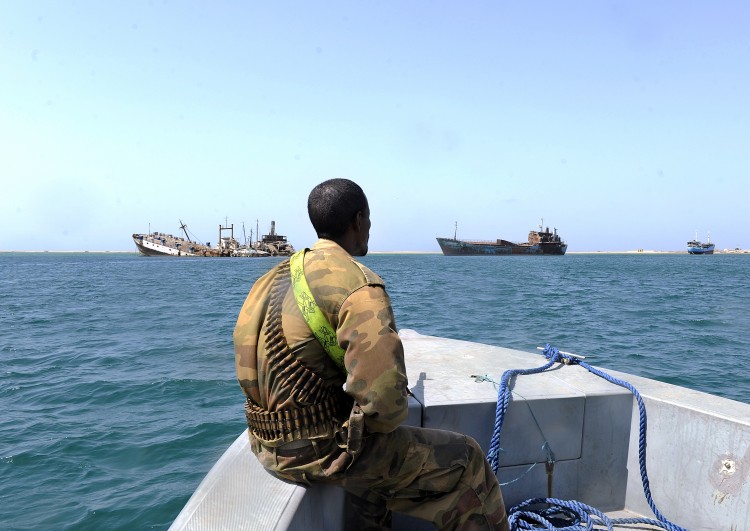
[(322, 320)]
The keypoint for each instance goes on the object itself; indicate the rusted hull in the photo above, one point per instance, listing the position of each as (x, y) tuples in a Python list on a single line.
[(148, 251), (161, 244), (451, 247), (154, 247)]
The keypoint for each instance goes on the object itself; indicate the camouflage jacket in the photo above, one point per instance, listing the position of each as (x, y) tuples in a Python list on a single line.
[(355, 302)]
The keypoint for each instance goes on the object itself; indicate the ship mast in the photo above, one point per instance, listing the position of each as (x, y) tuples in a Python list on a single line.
[(455, 230), (184, 229)]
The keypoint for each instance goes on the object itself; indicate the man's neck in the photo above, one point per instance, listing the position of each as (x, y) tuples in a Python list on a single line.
[(347, 242)]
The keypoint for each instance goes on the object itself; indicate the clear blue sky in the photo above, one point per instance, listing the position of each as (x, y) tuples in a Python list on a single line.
[(624, 125)]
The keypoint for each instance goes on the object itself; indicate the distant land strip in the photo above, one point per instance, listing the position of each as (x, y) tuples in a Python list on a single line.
[(637, 251)]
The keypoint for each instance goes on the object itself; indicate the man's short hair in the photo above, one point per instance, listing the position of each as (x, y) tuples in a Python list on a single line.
[(333, 204)]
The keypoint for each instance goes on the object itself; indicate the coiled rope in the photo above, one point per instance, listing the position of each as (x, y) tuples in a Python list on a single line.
[(553, 510)]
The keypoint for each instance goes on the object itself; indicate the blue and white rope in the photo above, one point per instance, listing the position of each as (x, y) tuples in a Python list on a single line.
[(521, 516)]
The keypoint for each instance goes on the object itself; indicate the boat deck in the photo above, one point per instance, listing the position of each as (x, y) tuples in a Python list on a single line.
[(698, 446)]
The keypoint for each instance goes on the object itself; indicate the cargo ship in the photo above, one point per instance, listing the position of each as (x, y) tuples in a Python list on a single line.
[(539, 242), (162, 244), (697, 247)]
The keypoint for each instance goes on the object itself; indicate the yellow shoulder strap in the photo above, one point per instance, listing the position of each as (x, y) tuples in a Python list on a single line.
[(312, 313)]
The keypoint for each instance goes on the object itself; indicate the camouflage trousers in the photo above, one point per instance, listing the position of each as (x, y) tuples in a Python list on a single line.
[(435, 475)]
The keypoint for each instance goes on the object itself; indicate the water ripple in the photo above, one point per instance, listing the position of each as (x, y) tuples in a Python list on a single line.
[(118, 389)]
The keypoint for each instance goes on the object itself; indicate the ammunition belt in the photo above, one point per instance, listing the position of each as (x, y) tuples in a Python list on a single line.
[(327, 406), (286, 425), (284, 369)]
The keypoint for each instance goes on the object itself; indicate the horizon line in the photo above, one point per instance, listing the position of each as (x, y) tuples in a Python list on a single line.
[(135, 251)]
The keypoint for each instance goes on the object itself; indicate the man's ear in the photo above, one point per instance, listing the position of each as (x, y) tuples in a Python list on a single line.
[(357, 221)]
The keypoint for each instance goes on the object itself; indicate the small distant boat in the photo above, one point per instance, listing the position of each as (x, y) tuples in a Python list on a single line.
[(539, 242), (697, 247)]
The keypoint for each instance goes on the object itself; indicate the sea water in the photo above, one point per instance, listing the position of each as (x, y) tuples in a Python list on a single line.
[(117, 385)]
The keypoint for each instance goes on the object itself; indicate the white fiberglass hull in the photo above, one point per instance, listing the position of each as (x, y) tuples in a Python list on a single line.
[(698, 445)]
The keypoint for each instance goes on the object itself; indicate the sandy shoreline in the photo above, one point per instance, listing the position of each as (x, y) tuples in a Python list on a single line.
[(71, 252)]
